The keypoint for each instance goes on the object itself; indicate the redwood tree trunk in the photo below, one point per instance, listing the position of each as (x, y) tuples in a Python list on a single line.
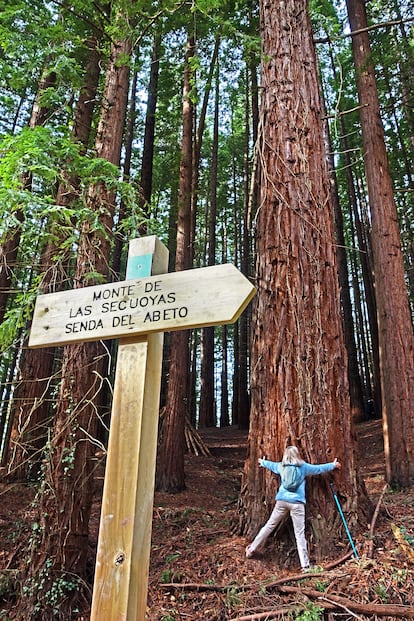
[(395, 331), (299, 381), (149, 132), (67, 497), (207, 416), (170, 468)]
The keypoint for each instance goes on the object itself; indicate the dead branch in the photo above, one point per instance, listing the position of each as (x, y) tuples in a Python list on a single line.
[(380, 610), (196, 586), (342, 113), (373, 522), (339, 561), (396, 22), (318, 574), (200, 586), (195, 443), (272, 614), (328, 602)]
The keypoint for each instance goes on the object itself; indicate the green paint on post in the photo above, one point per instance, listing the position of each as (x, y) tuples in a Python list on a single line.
[(139, 267)]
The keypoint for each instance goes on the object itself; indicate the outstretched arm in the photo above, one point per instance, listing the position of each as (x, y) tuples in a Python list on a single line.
[(314, 469), (270, 465)]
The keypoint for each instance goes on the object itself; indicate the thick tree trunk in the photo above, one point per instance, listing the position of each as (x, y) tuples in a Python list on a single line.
[(396, 338), (243, 355), (224, 395), (299, 382), (8, 258)]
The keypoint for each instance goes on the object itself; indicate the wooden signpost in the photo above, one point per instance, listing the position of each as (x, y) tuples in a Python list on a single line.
[(137, 311)]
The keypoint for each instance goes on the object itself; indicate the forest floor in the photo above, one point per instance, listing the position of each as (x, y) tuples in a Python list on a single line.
[(198, 568)]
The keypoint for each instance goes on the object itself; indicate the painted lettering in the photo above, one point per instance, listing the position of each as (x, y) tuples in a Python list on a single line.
[(113, 292), (80, 312), (123, 320), (152, 286), (83, 326), (115, 306), (167, 314)]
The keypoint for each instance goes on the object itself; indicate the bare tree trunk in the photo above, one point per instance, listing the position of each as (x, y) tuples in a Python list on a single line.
[(149, 132), (396, 338), (170, 469), (10, 244), (363, 237), (31, 399), (407, 228), (66, 500), (207, 401), (243, 355), (236, 328), (354, 378), (299, 380)]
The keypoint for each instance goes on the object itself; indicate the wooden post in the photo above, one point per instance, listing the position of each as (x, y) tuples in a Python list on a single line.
[(138, 311), (121, 575)]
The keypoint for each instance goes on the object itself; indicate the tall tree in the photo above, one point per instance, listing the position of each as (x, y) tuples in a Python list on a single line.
[(207, 416), (354, 378), (299, 381), (31, 403), (9, 248), (65, 503), (170, 468), (149, 132), (396, 338)]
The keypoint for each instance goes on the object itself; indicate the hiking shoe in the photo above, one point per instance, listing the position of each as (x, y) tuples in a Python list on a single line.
[(249, 552)]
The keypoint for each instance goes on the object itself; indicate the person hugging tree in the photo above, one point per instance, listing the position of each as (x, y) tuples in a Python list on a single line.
[(290, 499)]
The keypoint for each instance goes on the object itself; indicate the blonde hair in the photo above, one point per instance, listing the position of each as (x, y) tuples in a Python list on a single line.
[(291, 456)]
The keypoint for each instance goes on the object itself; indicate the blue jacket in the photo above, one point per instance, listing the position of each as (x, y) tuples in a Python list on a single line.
[(306, 470)]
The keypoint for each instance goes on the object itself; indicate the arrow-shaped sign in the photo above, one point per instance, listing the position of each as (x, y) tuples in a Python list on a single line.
[(180, 300)]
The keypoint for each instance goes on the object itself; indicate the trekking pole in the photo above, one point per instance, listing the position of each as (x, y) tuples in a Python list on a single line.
[(341, 513)]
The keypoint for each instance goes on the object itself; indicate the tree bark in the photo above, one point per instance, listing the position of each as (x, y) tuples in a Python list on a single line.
[(207, 413), (149, 132), (65, 503), (170, 475), (396, 338), (354, 378), (299, 382)]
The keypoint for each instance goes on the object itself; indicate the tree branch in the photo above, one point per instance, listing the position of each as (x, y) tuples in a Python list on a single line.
[(396, 22), (380, 610)]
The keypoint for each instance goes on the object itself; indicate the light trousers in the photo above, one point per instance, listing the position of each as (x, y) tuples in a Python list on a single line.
[(282, 509)]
